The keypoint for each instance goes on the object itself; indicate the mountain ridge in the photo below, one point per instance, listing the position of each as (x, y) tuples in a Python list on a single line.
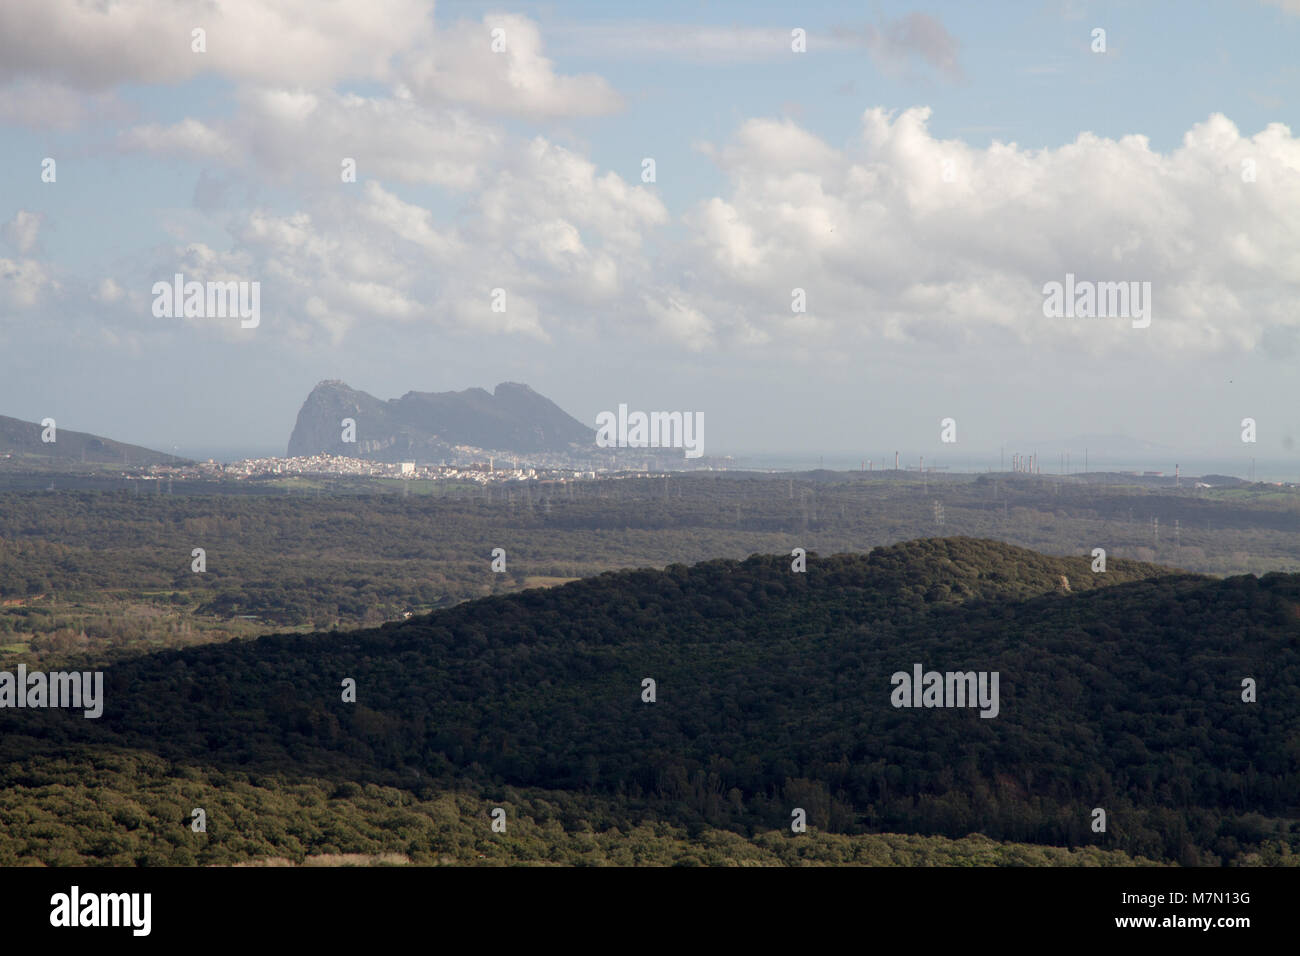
[(22, 439), (428, 426)]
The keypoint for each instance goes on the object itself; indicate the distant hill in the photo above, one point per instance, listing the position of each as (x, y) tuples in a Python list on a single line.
[(424, 426), (1120, 691), (22, 440)]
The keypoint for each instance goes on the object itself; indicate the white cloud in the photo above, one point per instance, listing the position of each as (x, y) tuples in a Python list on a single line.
[(547, 181), (285, 136), (279, 42), (188, 139), (58, 47), (108, 292), (681, 323), (23, 230), (895, 237), (24, 283), (886, 248), (407, 221), (563, 240), (461, 67)]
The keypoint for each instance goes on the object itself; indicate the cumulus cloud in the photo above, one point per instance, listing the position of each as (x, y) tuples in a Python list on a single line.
[(23, 230), (897, 236), (59, 47), (278, 42), (561, 238), (903, 236), (108, 291), (285, 136), (188, 139), (462, 67), (24, 283), (681, 323)]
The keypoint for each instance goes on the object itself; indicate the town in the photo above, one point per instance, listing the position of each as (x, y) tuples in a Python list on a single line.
[(492, 469)]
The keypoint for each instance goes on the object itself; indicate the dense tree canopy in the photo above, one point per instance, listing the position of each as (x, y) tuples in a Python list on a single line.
[(773, 692)]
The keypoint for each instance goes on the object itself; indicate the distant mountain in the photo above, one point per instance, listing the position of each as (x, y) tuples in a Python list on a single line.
[(425, 426), (22, 440)]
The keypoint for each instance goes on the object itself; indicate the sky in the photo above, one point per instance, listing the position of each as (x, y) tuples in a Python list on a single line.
[(914, 174)]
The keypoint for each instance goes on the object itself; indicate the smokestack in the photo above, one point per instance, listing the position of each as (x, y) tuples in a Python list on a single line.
[(895, 461)]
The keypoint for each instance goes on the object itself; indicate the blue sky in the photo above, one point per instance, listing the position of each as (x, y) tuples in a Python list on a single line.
[(522, 169)]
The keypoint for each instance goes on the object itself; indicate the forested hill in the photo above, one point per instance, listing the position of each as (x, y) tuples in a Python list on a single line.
[(22, 444), (1119, 690)]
